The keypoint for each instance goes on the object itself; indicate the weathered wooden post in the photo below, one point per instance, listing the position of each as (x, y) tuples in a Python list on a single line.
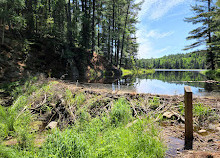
[(188, 118)]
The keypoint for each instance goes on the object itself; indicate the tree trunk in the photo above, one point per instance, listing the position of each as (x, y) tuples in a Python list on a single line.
[(123, 38), (210, 51), (69, 23), (93, 27), (30, 18), (113, 30), (3, 31), (3, 27), (118, 49), (109, 40)]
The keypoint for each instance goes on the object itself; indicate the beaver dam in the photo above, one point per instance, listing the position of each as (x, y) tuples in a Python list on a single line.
[(52, 118)]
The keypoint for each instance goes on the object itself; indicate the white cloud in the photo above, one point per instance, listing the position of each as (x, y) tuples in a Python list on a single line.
[(157, 35), (147, 48), (162, 7), (155, 9)]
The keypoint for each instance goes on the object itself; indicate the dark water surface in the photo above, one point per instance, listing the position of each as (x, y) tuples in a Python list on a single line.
[(167, 82)]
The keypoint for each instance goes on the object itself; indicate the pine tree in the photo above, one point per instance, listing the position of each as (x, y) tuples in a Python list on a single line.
[(203, 34)]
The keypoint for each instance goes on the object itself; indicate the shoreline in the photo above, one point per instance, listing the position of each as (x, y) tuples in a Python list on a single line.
[(213, 100)]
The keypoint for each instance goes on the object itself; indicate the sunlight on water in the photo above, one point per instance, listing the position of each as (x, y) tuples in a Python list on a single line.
[(161, 82)]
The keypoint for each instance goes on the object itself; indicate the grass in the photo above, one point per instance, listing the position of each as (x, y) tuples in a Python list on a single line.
[(105, 134), (101, 139), (120, 112), (126, 72), (154, 104), (202, 114)]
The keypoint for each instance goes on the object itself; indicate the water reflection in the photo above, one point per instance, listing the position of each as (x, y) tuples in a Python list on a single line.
[(161, 82)]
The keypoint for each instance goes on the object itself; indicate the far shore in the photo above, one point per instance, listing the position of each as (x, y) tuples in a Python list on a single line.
[(198, 70)]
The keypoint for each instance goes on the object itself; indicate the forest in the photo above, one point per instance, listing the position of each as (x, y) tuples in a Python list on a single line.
[(195, 60), (71, 30), (106, 27)]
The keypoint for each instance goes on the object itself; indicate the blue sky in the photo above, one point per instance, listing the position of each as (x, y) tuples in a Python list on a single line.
[(161, 30)]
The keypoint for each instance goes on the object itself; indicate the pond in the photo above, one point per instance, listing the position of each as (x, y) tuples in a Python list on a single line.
[(165, 82)]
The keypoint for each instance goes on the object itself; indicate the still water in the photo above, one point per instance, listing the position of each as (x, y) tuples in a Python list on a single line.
[(167, 82)]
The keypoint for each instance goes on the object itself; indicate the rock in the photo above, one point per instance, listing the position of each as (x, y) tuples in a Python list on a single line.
[(52, 125), (169, 115), (10, 142), (218, 129), (202, 131)]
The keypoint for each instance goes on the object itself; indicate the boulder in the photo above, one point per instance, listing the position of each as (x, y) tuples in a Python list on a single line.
[(202, 131), (52, 125), (170, 115), (218, 129)]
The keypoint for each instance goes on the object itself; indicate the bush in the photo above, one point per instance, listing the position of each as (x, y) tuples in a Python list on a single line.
[(120, 112), (201, 112), (97, 139), (64, 144), (155, 103)]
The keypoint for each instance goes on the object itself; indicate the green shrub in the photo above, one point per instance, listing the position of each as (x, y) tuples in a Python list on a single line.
[(181, 109), (155, 103), (6, 152), (120, 112), (202, 112), (9, 116), (80, 99), (64, 144), (98, 140)]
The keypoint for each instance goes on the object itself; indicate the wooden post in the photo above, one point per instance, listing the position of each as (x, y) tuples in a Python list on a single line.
[(188, 118)]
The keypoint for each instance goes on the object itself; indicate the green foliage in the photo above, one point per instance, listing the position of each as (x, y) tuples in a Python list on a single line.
[(202, 112), (15, 119), (21, 87), (218, 3), (213, 74), (195, 60), (120, 112), (207, 16), (97, 140), (6, 152), (64, 144), (26, 46), (154, 103), (80, 98), (75, 24), (182, 109), (8, 116), (126, 72)]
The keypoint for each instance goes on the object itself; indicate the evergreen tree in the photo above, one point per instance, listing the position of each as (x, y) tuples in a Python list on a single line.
[(203, 34)]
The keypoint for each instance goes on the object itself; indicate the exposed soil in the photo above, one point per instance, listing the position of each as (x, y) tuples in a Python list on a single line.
[(19, 57)]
